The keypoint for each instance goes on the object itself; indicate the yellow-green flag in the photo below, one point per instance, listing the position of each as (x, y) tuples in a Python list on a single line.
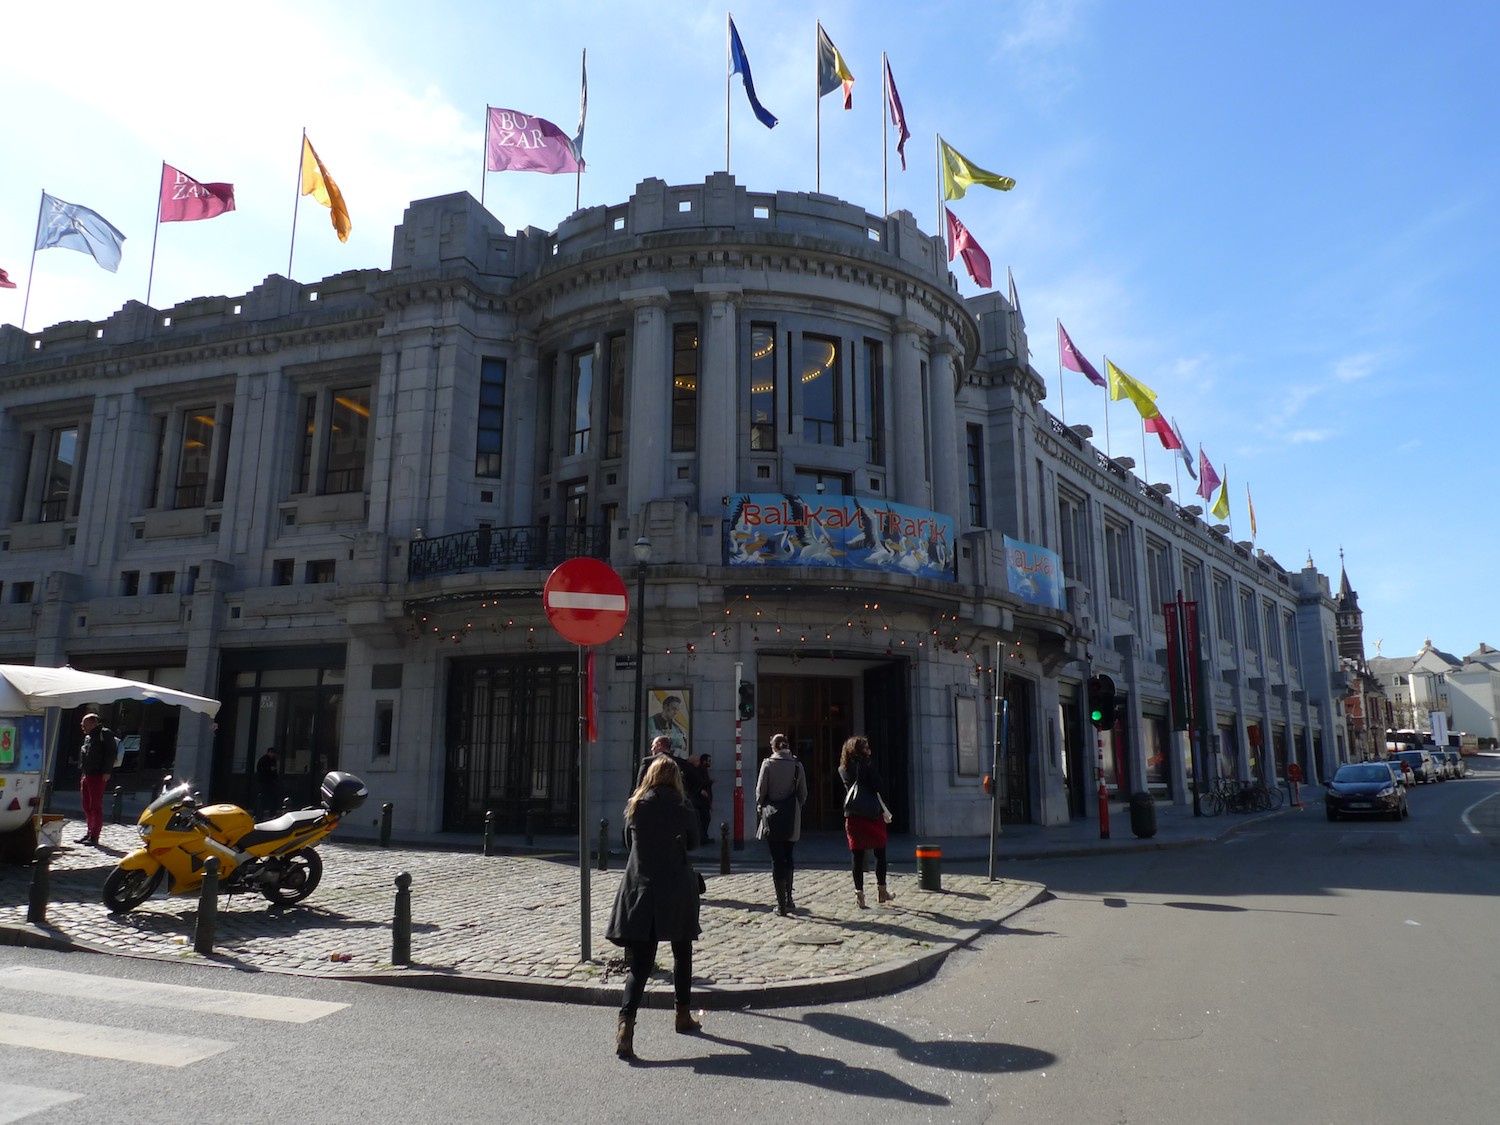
[(1221, 505), (1122, 385), (959, 175)]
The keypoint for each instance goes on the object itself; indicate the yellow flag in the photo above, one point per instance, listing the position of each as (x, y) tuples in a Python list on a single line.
[(1221, 505), (959, 175), (317, 183), (1250, 503), (1122, 385)]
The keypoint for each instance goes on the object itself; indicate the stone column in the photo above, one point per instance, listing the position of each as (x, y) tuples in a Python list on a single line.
[(949, 456), (647, 437), (719, 437), (522, 394), (909, 461)]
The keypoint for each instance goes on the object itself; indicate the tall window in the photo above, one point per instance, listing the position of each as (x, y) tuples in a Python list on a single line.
[(1158, 577), (872, 424), (614, 395), (1192, 590), (1247, 621), (197, 437), (348, 440), (1224, 608), (762, 386), (1289, 623), (1072, 531), (58, 500), (1270, 631), (685, 388), (489, 443), (581, 408), (977, 512), (820, 390), (1117, 559)]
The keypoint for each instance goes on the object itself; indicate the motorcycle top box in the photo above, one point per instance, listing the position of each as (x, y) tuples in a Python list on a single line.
[(343, 792)]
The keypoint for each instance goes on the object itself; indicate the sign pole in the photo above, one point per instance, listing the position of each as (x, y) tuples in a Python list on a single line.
[(739, 769), (585, 942)]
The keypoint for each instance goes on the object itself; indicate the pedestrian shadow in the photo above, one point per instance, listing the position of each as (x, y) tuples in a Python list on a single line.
[(781, 1064), (950, 1054)]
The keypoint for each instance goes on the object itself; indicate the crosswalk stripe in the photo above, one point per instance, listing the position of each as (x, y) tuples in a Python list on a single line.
[(20, 1102), (102, 1042), (85, 986)]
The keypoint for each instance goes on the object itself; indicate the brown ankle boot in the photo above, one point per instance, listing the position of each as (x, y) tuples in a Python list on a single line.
[(686, 1024), (884, 895), (625, 1038)]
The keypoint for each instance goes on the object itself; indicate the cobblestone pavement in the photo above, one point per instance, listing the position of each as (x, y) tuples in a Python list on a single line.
[(510, 925)]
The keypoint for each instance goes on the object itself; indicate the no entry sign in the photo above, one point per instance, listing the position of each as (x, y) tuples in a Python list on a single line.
[(585, 601)]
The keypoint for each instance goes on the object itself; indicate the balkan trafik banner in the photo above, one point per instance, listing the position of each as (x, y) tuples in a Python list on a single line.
[(781, 529)]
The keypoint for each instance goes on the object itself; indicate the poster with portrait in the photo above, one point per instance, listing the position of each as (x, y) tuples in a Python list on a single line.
[(669, 712)]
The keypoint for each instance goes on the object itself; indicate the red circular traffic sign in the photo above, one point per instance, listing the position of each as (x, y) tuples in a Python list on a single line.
[(585, 601)]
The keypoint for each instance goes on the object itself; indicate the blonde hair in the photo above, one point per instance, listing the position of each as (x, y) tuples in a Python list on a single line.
[(662, 773), (854, 747)]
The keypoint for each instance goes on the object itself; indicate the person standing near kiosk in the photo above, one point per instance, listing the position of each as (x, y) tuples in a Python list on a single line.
[(96, 760)]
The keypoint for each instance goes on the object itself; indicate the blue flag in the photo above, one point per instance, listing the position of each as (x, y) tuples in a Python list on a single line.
[(739, 64), (77, 228)]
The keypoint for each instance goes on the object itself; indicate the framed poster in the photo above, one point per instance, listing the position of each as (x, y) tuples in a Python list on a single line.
[(966, 735), (669, 711)]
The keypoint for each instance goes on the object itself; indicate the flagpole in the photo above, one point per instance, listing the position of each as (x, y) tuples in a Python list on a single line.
[(1144, 476), (1061, 401), (818, 115), (728, 73), (156, 230), (937, 155), (1107, 451), (885, 106), (41, 206), (297, 202), (484, 155)]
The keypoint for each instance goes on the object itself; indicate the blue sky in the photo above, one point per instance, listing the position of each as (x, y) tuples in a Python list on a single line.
[(1281, 216)]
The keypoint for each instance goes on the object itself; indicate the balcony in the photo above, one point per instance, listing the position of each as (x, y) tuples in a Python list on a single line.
[(504, 548)]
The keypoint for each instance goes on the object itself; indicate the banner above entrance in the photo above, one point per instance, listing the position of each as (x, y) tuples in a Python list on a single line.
[(776, 529)]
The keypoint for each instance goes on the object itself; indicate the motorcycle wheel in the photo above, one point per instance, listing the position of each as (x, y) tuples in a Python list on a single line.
[(298, 877), (125, 890)]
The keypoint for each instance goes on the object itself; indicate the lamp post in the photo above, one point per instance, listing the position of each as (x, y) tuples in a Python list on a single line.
[(642, 551)]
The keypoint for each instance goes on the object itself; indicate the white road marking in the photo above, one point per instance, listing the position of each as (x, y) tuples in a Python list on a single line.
[(1469, 824), (19, 1102), (85, 986), (98, 1041)]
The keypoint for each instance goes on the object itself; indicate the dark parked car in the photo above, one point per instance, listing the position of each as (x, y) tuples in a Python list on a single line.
[(1421, 765), (1365, 789)]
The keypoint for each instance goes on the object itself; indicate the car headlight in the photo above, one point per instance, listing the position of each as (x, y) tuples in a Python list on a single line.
[(1388, 791)]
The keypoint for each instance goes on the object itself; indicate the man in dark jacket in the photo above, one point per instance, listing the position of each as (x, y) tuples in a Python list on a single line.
[(96, 760)]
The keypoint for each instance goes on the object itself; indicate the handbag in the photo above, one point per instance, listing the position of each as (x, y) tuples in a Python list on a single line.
[(863, 802), (776, 819), (884, 811)]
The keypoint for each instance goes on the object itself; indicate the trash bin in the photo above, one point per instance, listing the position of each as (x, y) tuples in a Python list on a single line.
[(1143, 815), (929, 867)]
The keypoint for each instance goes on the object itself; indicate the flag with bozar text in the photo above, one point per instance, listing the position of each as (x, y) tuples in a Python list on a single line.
[(1071, 358), (519, 142), (74, 227), (1208, 480), (185, 200), (960, 241)]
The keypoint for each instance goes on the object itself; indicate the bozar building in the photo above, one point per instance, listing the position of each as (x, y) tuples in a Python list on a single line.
[(830, 484)]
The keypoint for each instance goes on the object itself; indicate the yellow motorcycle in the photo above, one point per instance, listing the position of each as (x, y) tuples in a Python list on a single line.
[(274, 858)]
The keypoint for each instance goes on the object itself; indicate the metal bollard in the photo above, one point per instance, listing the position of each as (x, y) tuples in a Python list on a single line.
[(41, 887), (929, 867), (604, 845), (723, 848), (208, 907), (385, 824), (489, 832), (117, 813), (530, 828), (401, 924)]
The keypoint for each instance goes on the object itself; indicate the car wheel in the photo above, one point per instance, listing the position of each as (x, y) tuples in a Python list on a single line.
[(1331, 814), (1405, 810)]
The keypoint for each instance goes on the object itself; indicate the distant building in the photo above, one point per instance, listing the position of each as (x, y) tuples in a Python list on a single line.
[(333, 505)]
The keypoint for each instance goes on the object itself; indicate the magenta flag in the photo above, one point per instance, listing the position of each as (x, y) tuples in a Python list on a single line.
[(5, 281), (184, 199), (1208, 480), (1071, 358), (898, 116), (518, 142), (960, 241)]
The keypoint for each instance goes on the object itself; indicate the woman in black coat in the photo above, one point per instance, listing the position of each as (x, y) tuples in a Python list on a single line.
[(864, 816), (658, 896)]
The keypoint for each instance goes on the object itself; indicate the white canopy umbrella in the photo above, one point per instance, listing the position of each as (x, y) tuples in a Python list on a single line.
[(26, 690)]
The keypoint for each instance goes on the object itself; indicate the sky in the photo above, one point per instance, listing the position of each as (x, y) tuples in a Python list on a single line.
[(1281, 216)]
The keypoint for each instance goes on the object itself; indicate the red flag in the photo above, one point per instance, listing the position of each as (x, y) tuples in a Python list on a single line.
[(591, 731), (1163, 430), (5, 281), (185, 200), (960, 241)]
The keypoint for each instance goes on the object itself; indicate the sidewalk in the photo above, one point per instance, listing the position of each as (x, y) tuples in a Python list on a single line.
[(510, 924)]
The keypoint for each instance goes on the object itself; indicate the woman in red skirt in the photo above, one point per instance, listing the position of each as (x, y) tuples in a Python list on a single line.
[(864, 815)]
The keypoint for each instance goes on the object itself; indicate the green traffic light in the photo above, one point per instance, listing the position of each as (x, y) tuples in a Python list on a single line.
[(1095, 715)]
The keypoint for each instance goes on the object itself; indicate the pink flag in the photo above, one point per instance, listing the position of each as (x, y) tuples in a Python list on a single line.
[(898, 116), (184, 199), (976, 261), (518, 142), (5, 281), (1073, 360), (1208, 480)]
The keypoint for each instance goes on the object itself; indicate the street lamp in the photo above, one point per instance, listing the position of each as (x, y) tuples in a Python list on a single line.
[(642, 552)]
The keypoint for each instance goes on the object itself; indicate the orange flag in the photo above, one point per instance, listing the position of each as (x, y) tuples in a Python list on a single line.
[(317, 183)]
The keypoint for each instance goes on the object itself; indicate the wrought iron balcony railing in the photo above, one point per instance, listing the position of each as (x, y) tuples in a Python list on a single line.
[(504, 548)]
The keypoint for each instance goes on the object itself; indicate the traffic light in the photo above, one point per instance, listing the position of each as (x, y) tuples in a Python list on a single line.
[(747, 699), (1102, 702)]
